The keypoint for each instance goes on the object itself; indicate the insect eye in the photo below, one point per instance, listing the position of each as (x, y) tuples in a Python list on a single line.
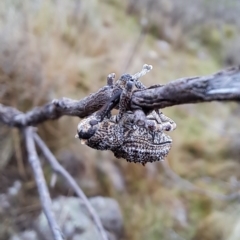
[(129, 85), (86, 134), (93, 122)]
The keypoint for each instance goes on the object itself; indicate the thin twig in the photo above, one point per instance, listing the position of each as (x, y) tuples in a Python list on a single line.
[(18, 154), (56, 166), (41, 184), (56, 109), (191, 187)]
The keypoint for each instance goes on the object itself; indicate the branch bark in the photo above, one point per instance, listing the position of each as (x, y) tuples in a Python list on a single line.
[(41, 184), (222, 86), (56, 109)]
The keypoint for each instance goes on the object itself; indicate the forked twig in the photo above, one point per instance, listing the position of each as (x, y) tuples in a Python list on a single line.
[(41, 183), (56, 167)]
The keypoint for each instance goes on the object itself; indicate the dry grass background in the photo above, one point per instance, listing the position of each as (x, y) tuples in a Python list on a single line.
[(50, 49)]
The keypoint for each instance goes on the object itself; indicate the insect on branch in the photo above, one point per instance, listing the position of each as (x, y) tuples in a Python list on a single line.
[(221, 86)]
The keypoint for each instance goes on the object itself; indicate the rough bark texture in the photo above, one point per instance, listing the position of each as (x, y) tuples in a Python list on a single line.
[(56, 109), (222, 86)]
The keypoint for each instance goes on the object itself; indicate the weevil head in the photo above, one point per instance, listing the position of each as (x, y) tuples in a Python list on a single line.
[(87, 128)]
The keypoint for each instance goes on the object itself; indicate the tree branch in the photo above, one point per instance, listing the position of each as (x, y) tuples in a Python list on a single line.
[(56, 166), (222, 86), (41, 184), (186, 185), (55, 109)]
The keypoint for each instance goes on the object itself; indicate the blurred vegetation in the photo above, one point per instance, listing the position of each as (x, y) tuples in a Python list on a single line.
[(51, 49), (213, 24)]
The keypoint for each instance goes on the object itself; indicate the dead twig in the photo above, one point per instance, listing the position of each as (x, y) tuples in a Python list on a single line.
[(222, 86), (56, 167), (41, 184), (18, 153), (56, 109)]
